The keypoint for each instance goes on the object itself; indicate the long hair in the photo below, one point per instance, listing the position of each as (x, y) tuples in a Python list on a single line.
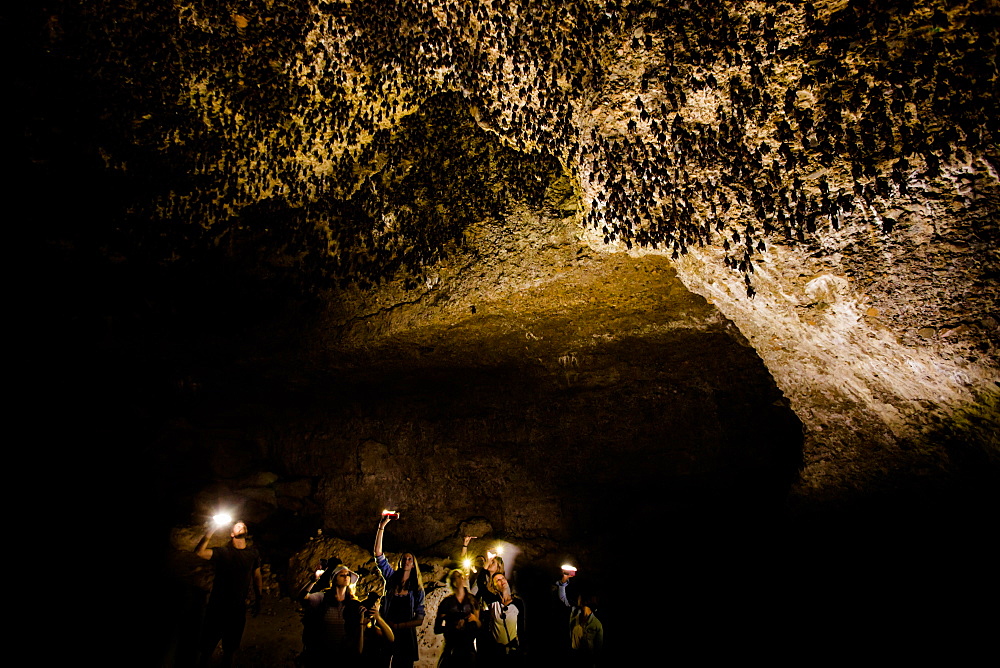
[(415, 582), (349, 593), (330, 599), (501, 568), (491, 583), (451, 580)]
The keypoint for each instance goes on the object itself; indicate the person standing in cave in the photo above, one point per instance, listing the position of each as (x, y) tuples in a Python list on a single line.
[(403, 603), (237, 569), (503, 644), (377, 650), (586, 633), (487, 567), (458, 620), (332, 633)]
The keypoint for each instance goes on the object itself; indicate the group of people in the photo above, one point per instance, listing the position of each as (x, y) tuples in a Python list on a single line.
[(482, 621)]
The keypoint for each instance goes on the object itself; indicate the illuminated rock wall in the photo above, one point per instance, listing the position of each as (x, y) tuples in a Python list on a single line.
[(823, 174)]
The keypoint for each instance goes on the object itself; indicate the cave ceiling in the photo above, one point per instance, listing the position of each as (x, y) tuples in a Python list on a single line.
[(678, 125), (455, 184)]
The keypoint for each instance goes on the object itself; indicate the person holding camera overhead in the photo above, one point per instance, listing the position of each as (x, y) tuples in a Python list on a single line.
[(403, 603), (586, 633), (237, 570)]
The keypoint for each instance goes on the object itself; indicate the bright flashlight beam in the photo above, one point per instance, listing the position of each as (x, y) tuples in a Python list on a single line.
[(569, 568), (222, 519)]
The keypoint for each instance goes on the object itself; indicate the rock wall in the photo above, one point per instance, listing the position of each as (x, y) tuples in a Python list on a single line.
[(892, 378), (586, 268), (469, 189)]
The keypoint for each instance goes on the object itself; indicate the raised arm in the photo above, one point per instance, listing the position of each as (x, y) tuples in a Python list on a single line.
[(202, 549), (465, 545), (307, 587), (561, 590), (378, 535)]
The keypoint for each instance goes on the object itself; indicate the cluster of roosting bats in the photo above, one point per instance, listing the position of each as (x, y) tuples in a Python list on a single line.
[(340, 134)]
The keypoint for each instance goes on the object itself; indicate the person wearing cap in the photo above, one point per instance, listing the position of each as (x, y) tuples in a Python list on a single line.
[(333, 620), (237, 570)]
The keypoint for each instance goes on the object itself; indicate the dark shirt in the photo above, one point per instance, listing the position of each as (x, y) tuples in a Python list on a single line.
[(450, 611), (399, 608), (331, 626), (234, 571)]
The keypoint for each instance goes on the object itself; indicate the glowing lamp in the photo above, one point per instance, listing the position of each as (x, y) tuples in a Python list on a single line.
[(222, 519)]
